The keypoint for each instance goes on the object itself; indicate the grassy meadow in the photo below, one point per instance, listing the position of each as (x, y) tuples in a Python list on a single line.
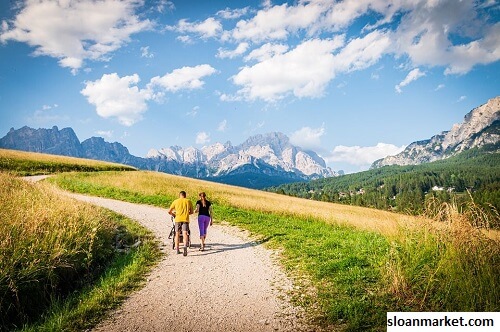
[(59, 269), (31, 163), (350, 265)]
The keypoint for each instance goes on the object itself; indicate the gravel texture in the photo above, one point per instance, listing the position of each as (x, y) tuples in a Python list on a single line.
[(234, 285)]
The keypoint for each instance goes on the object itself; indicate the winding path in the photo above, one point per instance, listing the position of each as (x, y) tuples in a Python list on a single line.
[(234, 285)]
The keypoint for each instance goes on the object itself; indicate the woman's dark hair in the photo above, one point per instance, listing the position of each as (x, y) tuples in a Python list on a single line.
[(203, 197)]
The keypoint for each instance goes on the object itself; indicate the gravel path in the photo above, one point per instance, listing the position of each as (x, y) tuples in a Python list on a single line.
[(234, 285)]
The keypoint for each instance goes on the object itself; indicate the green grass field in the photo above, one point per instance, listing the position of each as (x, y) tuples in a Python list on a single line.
[(351, 264)]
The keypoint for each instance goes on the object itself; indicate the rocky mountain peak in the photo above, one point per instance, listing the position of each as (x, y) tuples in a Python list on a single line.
[(475, 131)]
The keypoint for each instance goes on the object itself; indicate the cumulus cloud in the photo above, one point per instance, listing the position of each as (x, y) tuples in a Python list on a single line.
[(452, 34), (307, 137), (266, 52), (361, 53), (74, 31), (121, 98), (304, 71), (183, 78), (209, 28), (413, 75), (230, 14), (117, 97), (363, 156), (202, 138), (428, 35), (277, 22), (240, 49)]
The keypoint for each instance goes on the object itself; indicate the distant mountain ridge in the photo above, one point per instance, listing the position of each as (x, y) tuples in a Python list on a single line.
[(262, 160), (480, 127)]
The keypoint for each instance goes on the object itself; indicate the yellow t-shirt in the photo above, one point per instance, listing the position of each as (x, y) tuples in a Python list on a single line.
[(183, 208)]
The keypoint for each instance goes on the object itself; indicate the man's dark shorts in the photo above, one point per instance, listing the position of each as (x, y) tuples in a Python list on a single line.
[(182, 226)]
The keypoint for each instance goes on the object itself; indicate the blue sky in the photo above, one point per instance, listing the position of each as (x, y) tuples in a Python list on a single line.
[(352, 80)]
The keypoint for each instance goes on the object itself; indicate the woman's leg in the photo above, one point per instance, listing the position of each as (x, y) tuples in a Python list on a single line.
[(203, 222)]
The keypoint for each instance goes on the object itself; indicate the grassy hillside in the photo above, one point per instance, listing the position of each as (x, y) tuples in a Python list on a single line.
[(350, 264), (472, 174), (32, 163)]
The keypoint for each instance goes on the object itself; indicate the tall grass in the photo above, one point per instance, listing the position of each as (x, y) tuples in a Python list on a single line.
[(450, 265), (32, 163), (50, 246)]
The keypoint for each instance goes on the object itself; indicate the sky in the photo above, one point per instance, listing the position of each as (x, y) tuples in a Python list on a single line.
[(354, 81)]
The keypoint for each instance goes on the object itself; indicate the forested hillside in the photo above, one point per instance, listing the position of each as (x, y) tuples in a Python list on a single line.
[(408, 188)]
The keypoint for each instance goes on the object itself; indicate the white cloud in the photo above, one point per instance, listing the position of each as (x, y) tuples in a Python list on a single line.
[(448, 33), (145, 52), (105, 133), (413, 75), (361, 53), (202, 138), (266, 52), (74, 31), (209, 28), (277, 22), (307, 137), (427, 34), (183, 78), (163, 5), (242, 48), (304, 71), (363, 156), (120, 97), (439, 87), (48, 107), (229, 14), (117, 97), (222, 125), (462, 98)]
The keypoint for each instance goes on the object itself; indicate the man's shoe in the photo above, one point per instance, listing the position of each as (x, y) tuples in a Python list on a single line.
[(185, 251)]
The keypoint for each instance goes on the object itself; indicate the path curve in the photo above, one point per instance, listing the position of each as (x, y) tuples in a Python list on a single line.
[(234, 285)]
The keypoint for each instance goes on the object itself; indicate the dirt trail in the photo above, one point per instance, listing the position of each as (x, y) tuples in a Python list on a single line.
[(234, 285)]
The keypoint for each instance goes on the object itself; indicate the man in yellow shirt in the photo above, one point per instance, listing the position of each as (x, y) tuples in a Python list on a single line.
[(181, 208)]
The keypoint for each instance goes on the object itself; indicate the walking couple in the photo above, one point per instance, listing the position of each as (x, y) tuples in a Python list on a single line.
[(182, 208)]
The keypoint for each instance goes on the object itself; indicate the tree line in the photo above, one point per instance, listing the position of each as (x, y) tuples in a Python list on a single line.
[(471, 175)]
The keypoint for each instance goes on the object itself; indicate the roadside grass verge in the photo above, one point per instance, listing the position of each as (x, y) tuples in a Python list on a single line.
[(59, 267), (32, 163), (351, 265)]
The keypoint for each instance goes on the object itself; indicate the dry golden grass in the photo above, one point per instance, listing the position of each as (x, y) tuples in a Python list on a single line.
[(14, 160), (153, 183), (46, 240)]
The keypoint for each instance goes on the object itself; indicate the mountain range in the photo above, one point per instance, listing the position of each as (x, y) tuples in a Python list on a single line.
[(260, 161), (480, 127)]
